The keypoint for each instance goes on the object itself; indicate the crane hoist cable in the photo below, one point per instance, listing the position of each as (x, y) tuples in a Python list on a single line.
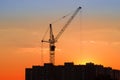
[(45, 33), (42, 57)]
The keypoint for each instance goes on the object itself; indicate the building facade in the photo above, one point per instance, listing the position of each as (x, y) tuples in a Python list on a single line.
[(69, 71)]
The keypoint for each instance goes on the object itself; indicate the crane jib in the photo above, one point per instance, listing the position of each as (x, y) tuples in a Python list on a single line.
[(53, 40), (68, 22)]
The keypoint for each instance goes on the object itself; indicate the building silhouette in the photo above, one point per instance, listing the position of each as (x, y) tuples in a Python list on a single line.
[(69, 71)]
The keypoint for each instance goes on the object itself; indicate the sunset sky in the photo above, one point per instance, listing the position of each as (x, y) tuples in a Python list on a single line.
[(93, 36)]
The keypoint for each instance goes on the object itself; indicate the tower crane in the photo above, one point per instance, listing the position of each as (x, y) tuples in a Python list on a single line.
[(52, 40)]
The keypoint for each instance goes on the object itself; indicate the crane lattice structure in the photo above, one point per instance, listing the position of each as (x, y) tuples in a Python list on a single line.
[(52, 40)]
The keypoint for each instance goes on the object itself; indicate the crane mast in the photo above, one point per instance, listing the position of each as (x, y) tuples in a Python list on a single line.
[(52, 46), (53, 39)]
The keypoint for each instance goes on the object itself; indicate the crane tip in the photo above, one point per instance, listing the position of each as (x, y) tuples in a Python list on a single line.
[(79, 7)]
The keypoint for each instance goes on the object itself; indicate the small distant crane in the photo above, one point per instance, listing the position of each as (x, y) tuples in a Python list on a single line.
[(52, 40)]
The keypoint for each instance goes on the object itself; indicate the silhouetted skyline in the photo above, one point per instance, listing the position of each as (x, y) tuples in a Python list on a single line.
[(69, 71)]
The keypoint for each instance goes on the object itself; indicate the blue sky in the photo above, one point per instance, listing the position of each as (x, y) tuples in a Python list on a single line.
[(13, 7), (50, 10)]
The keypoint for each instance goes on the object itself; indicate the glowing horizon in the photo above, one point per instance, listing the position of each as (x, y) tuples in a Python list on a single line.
[(93, 36)]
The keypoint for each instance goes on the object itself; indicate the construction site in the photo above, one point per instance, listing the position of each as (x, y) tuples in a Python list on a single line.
[(68, 71)]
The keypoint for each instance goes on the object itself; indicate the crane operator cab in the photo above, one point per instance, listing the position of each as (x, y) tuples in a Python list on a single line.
[(52, 48)]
